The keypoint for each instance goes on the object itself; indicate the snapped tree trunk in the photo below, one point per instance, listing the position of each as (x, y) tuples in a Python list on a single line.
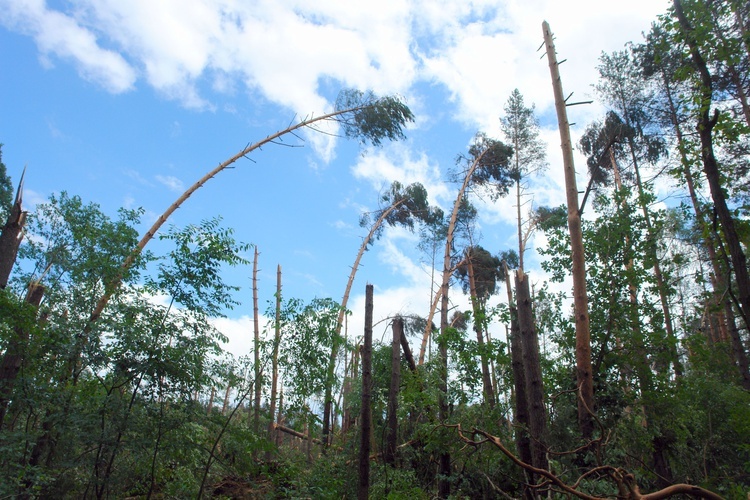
[(389, 454), (532, 373), (365, 418), (584, 374), (11, 236), (523, 443)]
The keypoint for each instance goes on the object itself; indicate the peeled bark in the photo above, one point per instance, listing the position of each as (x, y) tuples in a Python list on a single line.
[(584, 374), (365, 419)]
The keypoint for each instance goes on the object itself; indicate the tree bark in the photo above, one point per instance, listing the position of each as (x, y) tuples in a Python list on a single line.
[(11, 236), (532, 373), (584, 375), (523, 443), (365, 419), (389, 454)]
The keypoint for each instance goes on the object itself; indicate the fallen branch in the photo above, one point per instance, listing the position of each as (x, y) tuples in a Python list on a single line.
[(625, 481)]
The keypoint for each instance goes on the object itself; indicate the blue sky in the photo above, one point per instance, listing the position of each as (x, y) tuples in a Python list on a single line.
[(128, 103)]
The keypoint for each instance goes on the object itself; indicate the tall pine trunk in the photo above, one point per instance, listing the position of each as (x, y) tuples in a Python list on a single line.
[(584, 375)]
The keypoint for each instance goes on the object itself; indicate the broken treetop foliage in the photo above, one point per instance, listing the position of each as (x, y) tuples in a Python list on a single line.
[(372, 119)]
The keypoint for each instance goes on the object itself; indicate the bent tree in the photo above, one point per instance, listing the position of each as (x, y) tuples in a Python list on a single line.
[(486, 165), (403, 206), (361, 115)]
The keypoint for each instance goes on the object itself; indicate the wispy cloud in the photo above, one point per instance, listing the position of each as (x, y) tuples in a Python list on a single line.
[(171, 182)]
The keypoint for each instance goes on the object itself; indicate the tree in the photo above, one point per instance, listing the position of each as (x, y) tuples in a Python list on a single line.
[(486, 165), (706, 122), (479, 273), (521, 130), (580, 300), (361, 115), (402, 206)]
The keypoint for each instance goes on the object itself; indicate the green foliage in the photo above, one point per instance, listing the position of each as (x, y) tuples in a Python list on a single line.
[(492, 161), (370, 118)]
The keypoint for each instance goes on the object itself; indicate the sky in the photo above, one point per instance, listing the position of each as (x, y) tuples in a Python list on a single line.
[(126, 104)]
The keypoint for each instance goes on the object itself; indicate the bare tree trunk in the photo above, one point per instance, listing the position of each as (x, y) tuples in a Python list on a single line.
[(256, 347), (11, 236), (279, 419), (365, 420), (532, 373), (584, 375), (275, 361), (523, 443), (389, 454)]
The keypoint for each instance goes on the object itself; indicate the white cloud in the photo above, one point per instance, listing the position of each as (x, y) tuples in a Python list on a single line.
[(58, 34), (395, 162), (171, 182)]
